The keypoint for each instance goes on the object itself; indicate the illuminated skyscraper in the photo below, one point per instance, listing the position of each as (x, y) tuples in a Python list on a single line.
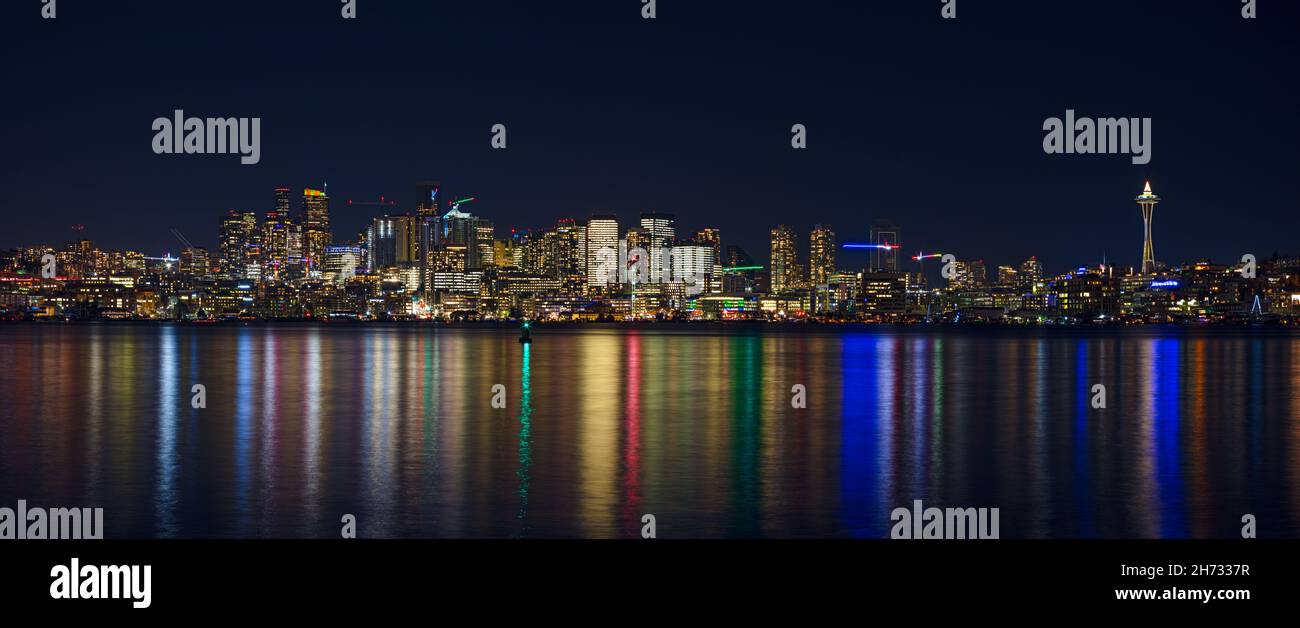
[(238, 242), (393, 243), (602, 251), (1031, 274), (316, 228), (662, 231), (785, 262), (1147, 201), (477, 235), (692, 263), (821, 255), (712, 237), (275, 242)]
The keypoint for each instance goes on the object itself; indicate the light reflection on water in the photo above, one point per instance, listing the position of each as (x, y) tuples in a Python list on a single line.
[(693, 424)]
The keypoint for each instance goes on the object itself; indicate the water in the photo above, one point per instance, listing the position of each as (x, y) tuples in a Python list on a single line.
[(694, 424)]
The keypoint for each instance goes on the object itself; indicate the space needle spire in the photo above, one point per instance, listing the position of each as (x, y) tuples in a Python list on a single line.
[(1147, 201)]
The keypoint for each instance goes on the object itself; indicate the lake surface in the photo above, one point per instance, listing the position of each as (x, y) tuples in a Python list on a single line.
[(691, 423)]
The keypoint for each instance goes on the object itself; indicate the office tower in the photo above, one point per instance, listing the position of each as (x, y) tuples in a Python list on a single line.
[(885, 233), (341, 262), (393, 242), (1008, 276), (238, 245), (565, 259), (692, 263), (712, 237), (1147, 201), (194, 262), (476, 234), (969, 275), (821, 255), (282, 201), (784, 265), (662, 231), (485, 237), (602, 251), (1031, 275), (315, 227), (275, 243)]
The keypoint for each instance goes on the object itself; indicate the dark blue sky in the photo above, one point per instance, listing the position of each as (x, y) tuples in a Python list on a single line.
[(935, 124)]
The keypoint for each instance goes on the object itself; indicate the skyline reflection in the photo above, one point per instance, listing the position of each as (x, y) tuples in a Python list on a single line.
[(604, 424)]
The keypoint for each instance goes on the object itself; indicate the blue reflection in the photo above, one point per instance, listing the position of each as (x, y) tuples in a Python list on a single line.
[(165, 498), (1083, 408), (1169, 463), (859, 433)]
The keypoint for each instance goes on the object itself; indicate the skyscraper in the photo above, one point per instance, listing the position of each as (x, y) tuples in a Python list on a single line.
[(1147, 201), (275, 242), (602, 251), (238, 232), (393, 242), (316, 228), (821, 255), (712, 237), (785, 262), (477, 235), (885, 233), (662, 231)]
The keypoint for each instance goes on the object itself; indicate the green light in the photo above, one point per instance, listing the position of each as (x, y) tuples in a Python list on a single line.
[(736, 269)]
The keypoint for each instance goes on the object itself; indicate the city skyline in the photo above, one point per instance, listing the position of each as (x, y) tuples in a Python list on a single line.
[(908, 118)]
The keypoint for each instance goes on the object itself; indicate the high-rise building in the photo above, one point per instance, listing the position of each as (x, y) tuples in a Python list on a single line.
[(341, 262), (1147, 201), (602, 251), (1030, 275), (194, 262), (393, 242), (275, 243), (1008, 276), (476, 234), (712, 237), (283, 203), (969, 275), (785, 264), (315, 227), (565, 260), (662, 232), (821, 255), (887, 237), (692, 264), (238, 243)]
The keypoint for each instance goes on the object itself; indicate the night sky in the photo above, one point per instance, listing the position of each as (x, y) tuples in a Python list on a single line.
[(935, 124)]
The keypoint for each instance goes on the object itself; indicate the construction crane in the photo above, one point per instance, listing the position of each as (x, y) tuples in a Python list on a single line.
[(455, 206), (184, 240), (382, 202)]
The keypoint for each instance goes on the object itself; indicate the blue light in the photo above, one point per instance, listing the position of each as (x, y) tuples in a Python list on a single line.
[(1169, 283)]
